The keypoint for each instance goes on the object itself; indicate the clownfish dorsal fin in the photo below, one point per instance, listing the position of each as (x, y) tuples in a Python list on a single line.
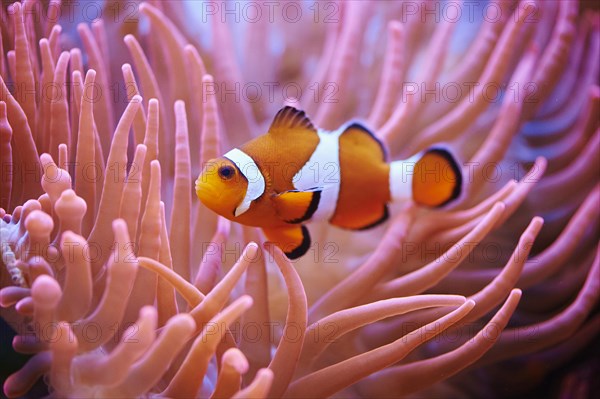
[(296, 206), (294, 241), (357, 137), (290, 118)]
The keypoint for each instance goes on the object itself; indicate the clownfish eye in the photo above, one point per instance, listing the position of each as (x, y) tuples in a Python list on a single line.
[(226, 172)]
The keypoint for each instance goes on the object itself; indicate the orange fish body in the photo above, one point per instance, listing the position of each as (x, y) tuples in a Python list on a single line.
[(295, 173)]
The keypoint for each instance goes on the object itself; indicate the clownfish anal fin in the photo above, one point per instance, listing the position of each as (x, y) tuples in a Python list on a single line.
[(294, 241), (290, 118), (437, 178), (358, 137), (384, 216), (297, 206), (364, 218)]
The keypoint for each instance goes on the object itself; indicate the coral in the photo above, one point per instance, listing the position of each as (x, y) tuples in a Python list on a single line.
[(119, 283)]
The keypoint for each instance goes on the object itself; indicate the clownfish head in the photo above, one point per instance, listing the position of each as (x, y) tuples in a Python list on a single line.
[(221, 186)]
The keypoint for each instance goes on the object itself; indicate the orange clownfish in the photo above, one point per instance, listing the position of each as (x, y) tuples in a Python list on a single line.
[(296, 173)]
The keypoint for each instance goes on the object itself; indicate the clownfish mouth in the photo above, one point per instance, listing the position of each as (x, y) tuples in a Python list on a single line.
[(206, 193)]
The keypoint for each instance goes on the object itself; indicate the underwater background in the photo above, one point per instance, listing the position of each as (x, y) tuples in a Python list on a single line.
[(117, 282)]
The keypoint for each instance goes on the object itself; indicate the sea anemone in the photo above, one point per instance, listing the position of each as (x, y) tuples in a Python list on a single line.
[(119, 283)]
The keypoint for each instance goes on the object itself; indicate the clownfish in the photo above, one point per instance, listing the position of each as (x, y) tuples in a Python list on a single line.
[(296, 173)]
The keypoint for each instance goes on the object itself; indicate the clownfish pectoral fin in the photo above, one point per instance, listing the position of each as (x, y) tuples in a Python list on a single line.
[(358, 138), (297, 206), (437, 178), (294, 241), (290, 118)]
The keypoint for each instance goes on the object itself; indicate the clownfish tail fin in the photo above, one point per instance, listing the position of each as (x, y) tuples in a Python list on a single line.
[(432, 178)]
